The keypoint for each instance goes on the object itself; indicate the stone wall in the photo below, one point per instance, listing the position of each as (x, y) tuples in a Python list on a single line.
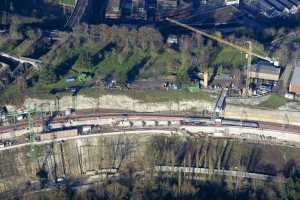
[(119, 102), (247, 101), (276, 116)]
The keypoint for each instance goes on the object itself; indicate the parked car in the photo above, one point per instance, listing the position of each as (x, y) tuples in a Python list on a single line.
[(70, 79)]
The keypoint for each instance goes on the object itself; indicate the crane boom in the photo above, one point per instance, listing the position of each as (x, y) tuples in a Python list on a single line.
[(220, 40)]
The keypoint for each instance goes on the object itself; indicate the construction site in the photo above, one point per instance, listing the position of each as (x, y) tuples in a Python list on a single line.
[(257, 79), (109, 93)]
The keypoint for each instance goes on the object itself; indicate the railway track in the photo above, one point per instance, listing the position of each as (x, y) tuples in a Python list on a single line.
[(38, 122), (281, 127)]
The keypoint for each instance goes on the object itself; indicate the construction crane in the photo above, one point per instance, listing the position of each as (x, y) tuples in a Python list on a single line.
[(250, 54)]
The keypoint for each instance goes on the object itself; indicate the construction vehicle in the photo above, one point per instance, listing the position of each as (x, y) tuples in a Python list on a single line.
[(249, 53)]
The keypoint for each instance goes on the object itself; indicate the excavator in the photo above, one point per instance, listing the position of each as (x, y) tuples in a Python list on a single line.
[(248, 51)]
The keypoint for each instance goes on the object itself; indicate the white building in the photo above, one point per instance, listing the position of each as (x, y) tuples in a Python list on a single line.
[(232, 2)]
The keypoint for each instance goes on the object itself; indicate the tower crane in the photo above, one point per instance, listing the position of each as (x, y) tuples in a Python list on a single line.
[(250, 54)]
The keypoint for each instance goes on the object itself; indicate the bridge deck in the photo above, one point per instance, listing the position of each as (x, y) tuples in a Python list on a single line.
[(22, 60)]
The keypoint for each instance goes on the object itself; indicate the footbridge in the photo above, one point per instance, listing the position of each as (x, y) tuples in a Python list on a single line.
[(221, 172), (23, 60), (77, 13)]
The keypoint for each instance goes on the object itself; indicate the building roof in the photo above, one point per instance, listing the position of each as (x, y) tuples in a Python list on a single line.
[(296, 75), (265, 69)]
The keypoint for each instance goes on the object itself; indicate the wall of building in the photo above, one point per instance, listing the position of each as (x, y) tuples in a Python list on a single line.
[(265, 76), (295, 89)]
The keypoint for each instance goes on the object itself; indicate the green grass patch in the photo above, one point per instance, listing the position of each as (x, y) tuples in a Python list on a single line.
[(150, 96), (11, 95), (229, 56), (67, 2), (274, 102), (120, 63)]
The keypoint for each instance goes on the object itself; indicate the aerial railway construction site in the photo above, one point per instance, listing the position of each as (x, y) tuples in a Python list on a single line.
[(109, 97), (74, 125)]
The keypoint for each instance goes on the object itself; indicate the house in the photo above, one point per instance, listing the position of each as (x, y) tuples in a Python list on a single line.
[(264, 71)]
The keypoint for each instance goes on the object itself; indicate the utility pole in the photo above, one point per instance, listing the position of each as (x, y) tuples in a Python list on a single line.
[(14, 115), (74, 101), (32, 136), (57, 104), (205, 76), (98, 99), (287, 121)]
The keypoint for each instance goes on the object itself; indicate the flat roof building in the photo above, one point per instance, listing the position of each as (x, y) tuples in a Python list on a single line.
[(295, 81), (273, 8), (163, 5), (113, 9), (264, 71), (232, 2), (139, 9)]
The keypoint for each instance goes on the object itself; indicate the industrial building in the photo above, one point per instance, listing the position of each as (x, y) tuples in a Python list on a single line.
[(113, 10), (295, 81), (138, 9), (166, 4), (273, 8), (264, 71)]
